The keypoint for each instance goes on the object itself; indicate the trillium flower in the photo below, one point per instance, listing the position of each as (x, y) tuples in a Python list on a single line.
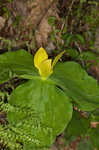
[(43, 64)]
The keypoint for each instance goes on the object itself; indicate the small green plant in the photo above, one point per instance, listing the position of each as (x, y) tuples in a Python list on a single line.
[(17, 20), (3, 8), (6, 42), (42, 107)]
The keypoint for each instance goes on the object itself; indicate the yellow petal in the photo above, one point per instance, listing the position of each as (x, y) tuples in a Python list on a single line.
[(45, 68), (39, 57), (57, 58)]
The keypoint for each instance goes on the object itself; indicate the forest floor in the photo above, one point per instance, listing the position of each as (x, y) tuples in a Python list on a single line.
[(34, 23)]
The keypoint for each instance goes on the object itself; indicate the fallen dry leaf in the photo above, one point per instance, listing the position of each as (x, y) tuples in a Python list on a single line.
[(94, 124), (34, 15), (44, 28), (2, 22)]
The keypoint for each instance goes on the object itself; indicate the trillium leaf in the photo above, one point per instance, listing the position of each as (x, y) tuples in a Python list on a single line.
[(94, 117), (47, 111), (94, 137), (78, 85), (39, 57), (18, 62), (78, 126), (85, 144)]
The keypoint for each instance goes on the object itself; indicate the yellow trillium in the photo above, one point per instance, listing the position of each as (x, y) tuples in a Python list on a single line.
[(43, 64)]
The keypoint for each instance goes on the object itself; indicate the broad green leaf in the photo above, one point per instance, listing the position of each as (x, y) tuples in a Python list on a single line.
[(85, 144), (78, 126), (18, 62), (46, 112), (78, 85), (94, 137), (95, 116)]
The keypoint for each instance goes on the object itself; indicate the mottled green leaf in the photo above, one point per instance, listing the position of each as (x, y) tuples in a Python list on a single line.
[(78, 85), (18, 62), (46, 111)]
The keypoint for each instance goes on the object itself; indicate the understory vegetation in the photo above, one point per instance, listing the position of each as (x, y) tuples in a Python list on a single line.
[(49, 91)]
